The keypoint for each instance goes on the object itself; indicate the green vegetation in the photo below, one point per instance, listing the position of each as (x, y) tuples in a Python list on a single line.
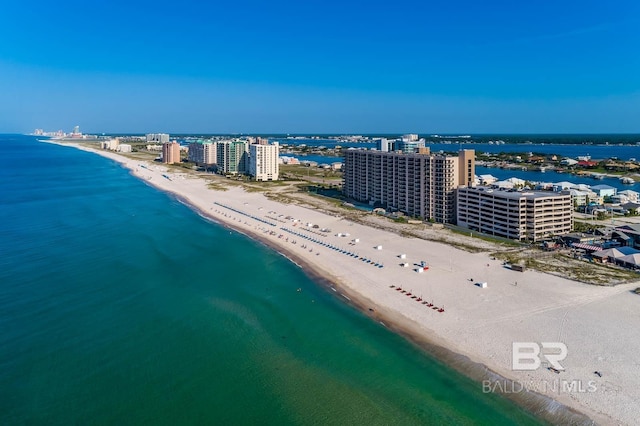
[(217, 186), (586, 227), (488, 238), (563, 265)]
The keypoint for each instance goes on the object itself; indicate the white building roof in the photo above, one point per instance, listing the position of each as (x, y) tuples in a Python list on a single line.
[(515, 181), (503, 184), (565, 184), (601, 187)]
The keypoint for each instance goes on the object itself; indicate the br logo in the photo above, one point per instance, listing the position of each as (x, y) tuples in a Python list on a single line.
[(526, 356)]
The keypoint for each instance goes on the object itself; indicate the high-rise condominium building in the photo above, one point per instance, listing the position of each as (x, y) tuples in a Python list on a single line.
[(171, 152), (203, 153), (232, 156), (515, 215), (158, 137), (409, 146), (418, 184), (263, 161), (467, 167)]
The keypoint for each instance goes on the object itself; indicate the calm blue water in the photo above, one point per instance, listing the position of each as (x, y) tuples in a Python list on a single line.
[(622, 146), (119, 305)]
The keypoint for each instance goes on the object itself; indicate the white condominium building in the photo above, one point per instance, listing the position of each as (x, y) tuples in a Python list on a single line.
[(203, 153), (263, 161), (158, 137), (530, 216), (111, 144)]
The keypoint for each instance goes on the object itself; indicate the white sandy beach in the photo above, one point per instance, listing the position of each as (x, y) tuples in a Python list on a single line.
[(599, 325)]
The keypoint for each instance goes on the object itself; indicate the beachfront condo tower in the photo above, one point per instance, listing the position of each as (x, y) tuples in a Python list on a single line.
[(232, 156), (171, 152), (203, 153), (418, 184), (263, 160), (521, 216)]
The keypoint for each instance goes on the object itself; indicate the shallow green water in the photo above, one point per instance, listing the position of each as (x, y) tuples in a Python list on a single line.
[(119, 305)]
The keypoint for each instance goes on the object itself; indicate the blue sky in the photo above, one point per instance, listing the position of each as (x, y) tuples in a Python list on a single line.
[(457, 66)]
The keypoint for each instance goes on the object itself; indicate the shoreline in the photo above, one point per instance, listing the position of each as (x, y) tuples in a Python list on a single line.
[(437, 344), (539, 405)]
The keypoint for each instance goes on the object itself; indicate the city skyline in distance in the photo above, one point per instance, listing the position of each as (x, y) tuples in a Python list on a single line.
[(323, 68)]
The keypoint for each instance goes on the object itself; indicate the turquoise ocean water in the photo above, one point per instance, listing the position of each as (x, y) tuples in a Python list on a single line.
[(120, 305)]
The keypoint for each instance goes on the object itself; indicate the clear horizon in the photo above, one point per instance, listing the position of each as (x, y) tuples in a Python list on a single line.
[(321, 68)]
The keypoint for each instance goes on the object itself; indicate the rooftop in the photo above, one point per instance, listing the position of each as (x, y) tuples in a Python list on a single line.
[(514, 194)]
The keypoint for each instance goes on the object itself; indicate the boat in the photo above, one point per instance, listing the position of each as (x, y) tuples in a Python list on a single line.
[(627, 180)]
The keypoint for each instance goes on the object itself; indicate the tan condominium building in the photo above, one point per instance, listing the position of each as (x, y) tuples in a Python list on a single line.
[(263, 161), (418, 184), (171, 152), (522, 216), (203, 153)]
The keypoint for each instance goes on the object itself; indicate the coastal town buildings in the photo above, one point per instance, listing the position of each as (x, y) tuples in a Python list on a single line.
[(157, 137), (604, 191), (627, 196), (578, 197), (486, 179), (203, 153), (171, 152), (530, 215), (417, 184), (263, 160)]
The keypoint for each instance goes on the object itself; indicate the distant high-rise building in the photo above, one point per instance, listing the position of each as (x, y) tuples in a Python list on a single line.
[(232, 156), (203, 153), (263, 160), (171, 152), (76, 132), (262, 141), (158, 137), (417, 184), (409, 146), (411, 137), (384, 145)]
